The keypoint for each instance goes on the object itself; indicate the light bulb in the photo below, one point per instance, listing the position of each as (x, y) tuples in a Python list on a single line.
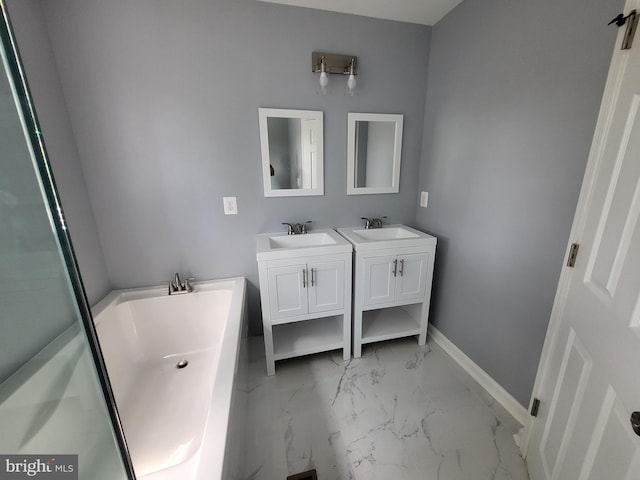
[(324, 82), (351, 84)]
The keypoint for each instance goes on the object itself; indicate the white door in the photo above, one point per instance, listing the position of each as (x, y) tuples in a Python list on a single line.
[(411, 280), (589, 377), (287, 291), (309, 153), (326, 286), (378, 280)]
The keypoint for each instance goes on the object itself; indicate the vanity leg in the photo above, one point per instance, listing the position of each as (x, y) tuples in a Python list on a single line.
[(357, 333), (268, 349), (346, 335), (424, 320), (347, 320)]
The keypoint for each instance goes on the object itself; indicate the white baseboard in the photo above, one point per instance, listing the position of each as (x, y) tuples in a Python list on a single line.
[(483, 378)]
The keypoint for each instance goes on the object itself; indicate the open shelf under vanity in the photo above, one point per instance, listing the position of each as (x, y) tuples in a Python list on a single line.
[(307, 337), (389, 323)]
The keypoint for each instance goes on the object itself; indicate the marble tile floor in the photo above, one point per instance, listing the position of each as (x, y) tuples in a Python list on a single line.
[(401, 412)]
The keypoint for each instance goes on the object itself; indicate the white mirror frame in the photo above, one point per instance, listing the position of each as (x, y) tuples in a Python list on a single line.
[(263, 115), (352, 118)]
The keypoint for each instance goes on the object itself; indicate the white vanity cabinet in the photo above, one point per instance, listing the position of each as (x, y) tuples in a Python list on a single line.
[(305, 290), (301, 288), (392, 283), (392, 278)]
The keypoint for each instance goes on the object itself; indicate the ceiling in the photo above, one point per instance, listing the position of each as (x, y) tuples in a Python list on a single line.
[(425, 12)]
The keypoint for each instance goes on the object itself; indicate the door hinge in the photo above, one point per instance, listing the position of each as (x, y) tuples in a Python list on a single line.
[(631, 21), (535, 406), (573, 254)]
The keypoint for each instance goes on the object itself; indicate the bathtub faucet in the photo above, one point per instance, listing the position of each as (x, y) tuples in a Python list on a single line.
[(177, 286)]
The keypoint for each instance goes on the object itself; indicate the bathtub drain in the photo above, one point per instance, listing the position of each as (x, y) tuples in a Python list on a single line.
[(182, 364)]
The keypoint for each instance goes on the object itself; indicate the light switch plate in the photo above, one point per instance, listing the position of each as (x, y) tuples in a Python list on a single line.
[(424, 199), (230, 205)]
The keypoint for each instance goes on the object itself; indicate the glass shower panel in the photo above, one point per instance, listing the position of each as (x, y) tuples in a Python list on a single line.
[(52, 395)]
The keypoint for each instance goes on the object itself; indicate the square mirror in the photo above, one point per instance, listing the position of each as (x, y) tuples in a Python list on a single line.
[(374, 147), (292, 152)]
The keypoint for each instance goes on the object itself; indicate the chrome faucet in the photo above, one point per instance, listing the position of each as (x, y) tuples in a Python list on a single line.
[(178, 286), (373, 222), (296, 228)]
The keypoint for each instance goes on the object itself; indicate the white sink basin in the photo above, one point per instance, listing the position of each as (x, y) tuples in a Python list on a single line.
[(388, 233), (389, 236), (303, 240), (274, 246)]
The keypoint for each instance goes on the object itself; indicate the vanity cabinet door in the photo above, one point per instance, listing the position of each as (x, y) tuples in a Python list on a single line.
[(287, 291), (326, 286), (378, 280), (411, 278)]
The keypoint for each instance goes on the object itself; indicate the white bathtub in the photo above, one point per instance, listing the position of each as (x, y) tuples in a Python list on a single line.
[(177, 421)]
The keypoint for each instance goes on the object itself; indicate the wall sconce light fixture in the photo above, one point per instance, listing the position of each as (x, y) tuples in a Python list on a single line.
[(324, 78), (332, 63)]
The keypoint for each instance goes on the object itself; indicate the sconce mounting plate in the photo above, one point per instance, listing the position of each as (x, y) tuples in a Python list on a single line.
[(334, 63)]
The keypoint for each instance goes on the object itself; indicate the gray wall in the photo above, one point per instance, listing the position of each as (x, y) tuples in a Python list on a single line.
[(514, 92), (37, 57), (163, 98)]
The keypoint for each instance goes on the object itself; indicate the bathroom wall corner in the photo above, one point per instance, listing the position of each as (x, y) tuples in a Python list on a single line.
[(38, 59), (512, 100)]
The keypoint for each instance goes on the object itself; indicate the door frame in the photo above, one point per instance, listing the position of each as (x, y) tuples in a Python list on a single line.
[(619, 60)]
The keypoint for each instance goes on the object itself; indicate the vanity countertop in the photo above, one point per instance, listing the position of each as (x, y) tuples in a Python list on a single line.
[(276, 246), (389, 236)]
